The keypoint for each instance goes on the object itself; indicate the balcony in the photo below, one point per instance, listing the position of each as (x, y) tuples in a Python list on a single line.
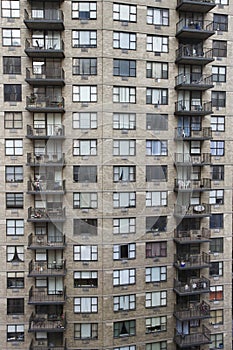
[(46, 187), (47, 323), (47, 159), (43, 345), (189, 29), (186, 134), (182, 185), (45, 104), (46, 215), (44, 48), (192, 287), (203, 6), (192, 236), (50, 76), (192, 311), (50, 131), (42, 19), (194, 81), (200, 337), (186, 159), (192, 54), (192, 211), (43, 296), (193, 108), (192, 261), (40, 269), (46, 242)]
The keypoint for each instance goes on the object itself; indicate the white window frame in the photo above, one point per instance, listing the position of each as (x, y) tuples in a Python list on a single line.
[(85, 93), (131, 251), (156, 43), (157, 16), (216, 197), (156, 274), (124, 40), (14, 147), (86, 275), (218, 123), (14, 227), (85, 147), (85, 200), (85, 305), (10, 252), (11, 37), (85, 120), (124, 12), (84, 38), (156, 299), (85, 252), (156, 324), (156, 147), (156, 198), (124, 121), (124, 226), (124, 94), (12, 10), (124, 302), (124, 199), (87, 7), (124, 147), (124, 277), (123, 173)]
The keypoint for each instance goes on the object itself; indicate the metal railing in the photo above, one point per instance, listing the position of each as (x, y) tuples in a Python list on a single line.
[(201, 336), (194, 285), (186, 158), (197, 25), (194, 79), (43, 101), (46, 241), (194, 51), (191, 260), (192, 235), (193, 106), (46, 213), (187, 132), (41, 295), (45, 73), (192, 210), (46, 158), (47, 268), (46, 186), (193, 310), (44, 15), (188, 184), (50, 130), (44, 44), (45, 322)]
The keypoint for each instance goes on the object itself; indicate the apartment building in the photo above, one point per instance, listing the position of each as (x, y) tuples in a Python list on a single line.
[(116, 166)]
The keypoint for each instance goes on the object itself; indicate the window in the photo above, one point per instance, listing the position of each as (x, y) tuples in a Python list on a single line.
[(156, 299), (219, 48), (14, 173), (157, 70), (217, 172), (156, 121), (84, 120), (85, 279), (217, 148), (124, 41), (220, 22), (156, 148), (156, 274), (156, 199), (14, 147), (157, 96), (124, 173), (84, 10), (124, 226), (87, 226), (124, 277), (124, 147), (15, 280), (14, 200), (157, 16), (13, 120), (156, 249), (86, 305), (15, 332), (84, 38), (156, 324), (156, 223), (222, 2), (84, 66), (218, 98), (12, 93), (216, 341), (216, 317), (130, 347), (124, 12), (156, 173), (15, 306), (15, 227), (124, 121), (11, 65), (124, 302), (216, 197), (216, 268), (85, 253), (85, 200), (162, 345), (11, 37), (86, 331), (216, 293), (10, 9), (216, 221), (15, 253), (124, 68), (86, 174), (124, 328), (124, 199), (195, 147), (219, 74), (124, 251), (84, 93), (216, 245), (218, 123), (85, 147), (124, 94), (157, 43)]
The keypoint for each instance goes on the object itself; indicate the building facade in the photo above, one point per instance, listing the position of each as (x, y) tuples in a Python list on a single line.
[(116, 166)]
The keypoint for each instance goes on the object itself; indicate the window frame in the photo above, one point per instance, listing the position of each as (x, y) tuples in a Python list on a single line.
[(156, 249), (13, 147), (124, 68), (124, 147), (161, 46), (215, 315), (12, 229), (84, 66), (84, 120), (153, 118), (84, 147), (13, 122), (90, 13), (14, 174), (124, 121), (217, 123), (12, 65), (15, 280), (11, 37), (15, 253), (217, 172), (124, 199), (122, 326), (84, 38), (124, 302), (156, 173), (216, 197), (12, 92), (80, 176), (157, 70), (156, 199), (154, 323), (220, 22), (17, 334), (125, 173), (85, 279), (124, 251), (156, 299), (216, 245), (124, 94), (217, 148), (154, 13), (119, 225), (218, 223), (80, 331), (85, 305), (219, 74), (124, 277), (124, 12), (84, 93), (14, 200), (124, 40), (219, 48), (157, 148), (85, 252), (155, 274), (216, 293), (157, 96), (85, 200), (15, 306), (218, 99)]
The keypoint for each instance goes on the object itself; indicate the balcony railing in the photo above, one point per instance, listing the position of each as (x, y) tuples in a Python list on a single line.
[(195, 107), (193, 286), (45, 76), (192, 311), (55, 268), (192, 261), (43, 345), (194, 29), (192, 185), (200, 337), (188, 159), (46, 242), (194, 54), (46, 297), (43, 102), (46, 215), (194, 81), (49, 158), (195, 5), (47, 323), (48, 131), (192, 236), (44, 47), (186, 133), (198, 210), (41, 18), (46, 186)]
